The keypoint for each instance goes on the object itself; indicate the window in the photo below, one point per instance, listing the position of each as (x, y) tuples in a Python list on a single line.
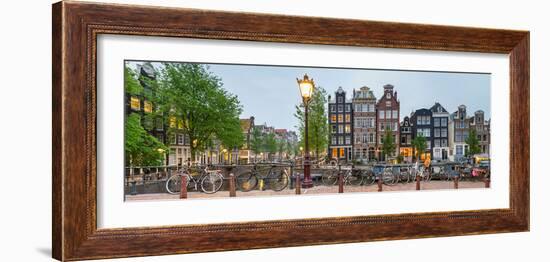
[(333, 118), (179, 151), (334, 153), (388, 103), (437, 122), (340, 129), (159, 124), (340, 100), (332, 108), (358, 108), (334, 140), (459, 150), (172, 122), (147, 107), (333, 129), (444, 122), (342, 152), (423, 120), (348, 128), (340, 140), (370, 107), (348, 118), (348, 140), (160, 137), (443, 132), (340, 118), (484, 137), (134, 103), (394, 114), (425, 132), (381, 114), (148, 122), (437, 143), (370, 122), (394, 126), (371, 137), (444, 143), (174, 140), (340, 108), (348, 108), (437, 132), (180, 124), (180, 139)]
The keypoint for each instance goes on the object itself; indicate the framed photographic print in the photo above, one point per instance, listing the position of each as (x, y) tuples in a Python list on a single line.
[(196, 131)]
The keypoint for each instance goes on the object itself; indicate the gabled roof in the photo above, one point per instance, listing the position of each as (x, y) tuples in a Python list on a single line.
[(438, 108)]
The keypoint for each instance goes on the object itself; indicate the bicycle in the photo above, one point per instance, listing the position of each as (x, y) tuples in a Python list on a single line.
[(350, 177), (277, 180), (209, 181)]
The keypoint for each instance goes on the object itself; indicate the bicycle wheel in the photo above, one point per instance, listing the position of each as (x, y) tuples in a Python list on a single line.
[(330, 178), (173, 184), (355, 178), (211, 183), (277, 180), (368, 178), (246, 181), (404, 176), (388, 177)]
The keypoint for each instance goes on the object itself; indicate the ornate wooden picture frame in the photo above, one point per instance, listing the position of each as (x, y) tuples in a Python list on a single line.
[(76, 26)]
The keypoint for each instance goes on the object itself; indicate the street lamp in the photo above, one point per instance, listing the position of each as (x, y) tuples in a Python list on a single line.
[(306, 91)]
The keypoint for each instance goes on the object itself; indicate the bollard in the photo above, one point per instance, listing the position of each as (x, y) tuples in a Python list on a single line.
[(455, 180), (380, 183), (183, 191), (232, 191), (133, 191), (262, 184), (417, 182), (298, 184), (340, 179), (487, 182), (340, 182)]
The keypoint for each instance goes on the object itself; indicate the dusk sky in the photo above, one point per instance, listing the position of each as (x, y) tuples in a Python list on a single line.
[(269, 93)]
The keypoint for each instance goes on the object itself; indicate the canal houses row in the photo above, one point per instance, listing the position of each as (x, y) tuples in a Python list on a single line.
[(358, 125)]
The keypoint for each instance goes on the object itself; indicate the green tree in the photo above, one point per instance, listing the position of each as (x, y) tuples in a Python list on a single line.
[(419, 145), (281, 148), (141, 148), (290, 149), (131, 83), (473, 143), (194, 97), (270, 144), (256, 142), (388, 144), (317, 122)]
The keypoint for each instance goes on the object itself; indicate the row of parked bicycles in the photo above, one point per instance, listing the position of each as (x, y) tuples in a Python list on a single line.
[(278, 177)]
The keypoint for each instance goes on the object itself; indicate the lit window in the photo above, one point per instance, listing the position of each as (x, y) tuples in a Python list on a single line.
[(172, 122), (134, 103), (333, 118), (348, 118), (147, 107), (348, 128), (340, 118), (180, 124)]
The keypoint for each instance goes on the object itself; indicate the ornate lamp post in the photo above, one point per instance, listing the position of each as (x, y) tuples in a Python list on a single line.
[(306, 90)]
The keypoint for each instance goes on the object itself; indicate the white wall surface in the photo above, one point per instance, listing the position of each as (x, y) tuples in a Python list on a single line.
[(25, 130)]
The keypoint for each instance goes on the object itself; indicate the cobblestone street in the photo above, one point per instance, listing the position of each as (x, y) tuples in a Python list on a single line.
[(318, 189)]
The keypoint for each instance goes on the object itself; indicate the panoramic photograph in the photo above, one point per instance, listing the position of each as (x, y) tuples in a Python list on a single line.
[(205, 130)]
